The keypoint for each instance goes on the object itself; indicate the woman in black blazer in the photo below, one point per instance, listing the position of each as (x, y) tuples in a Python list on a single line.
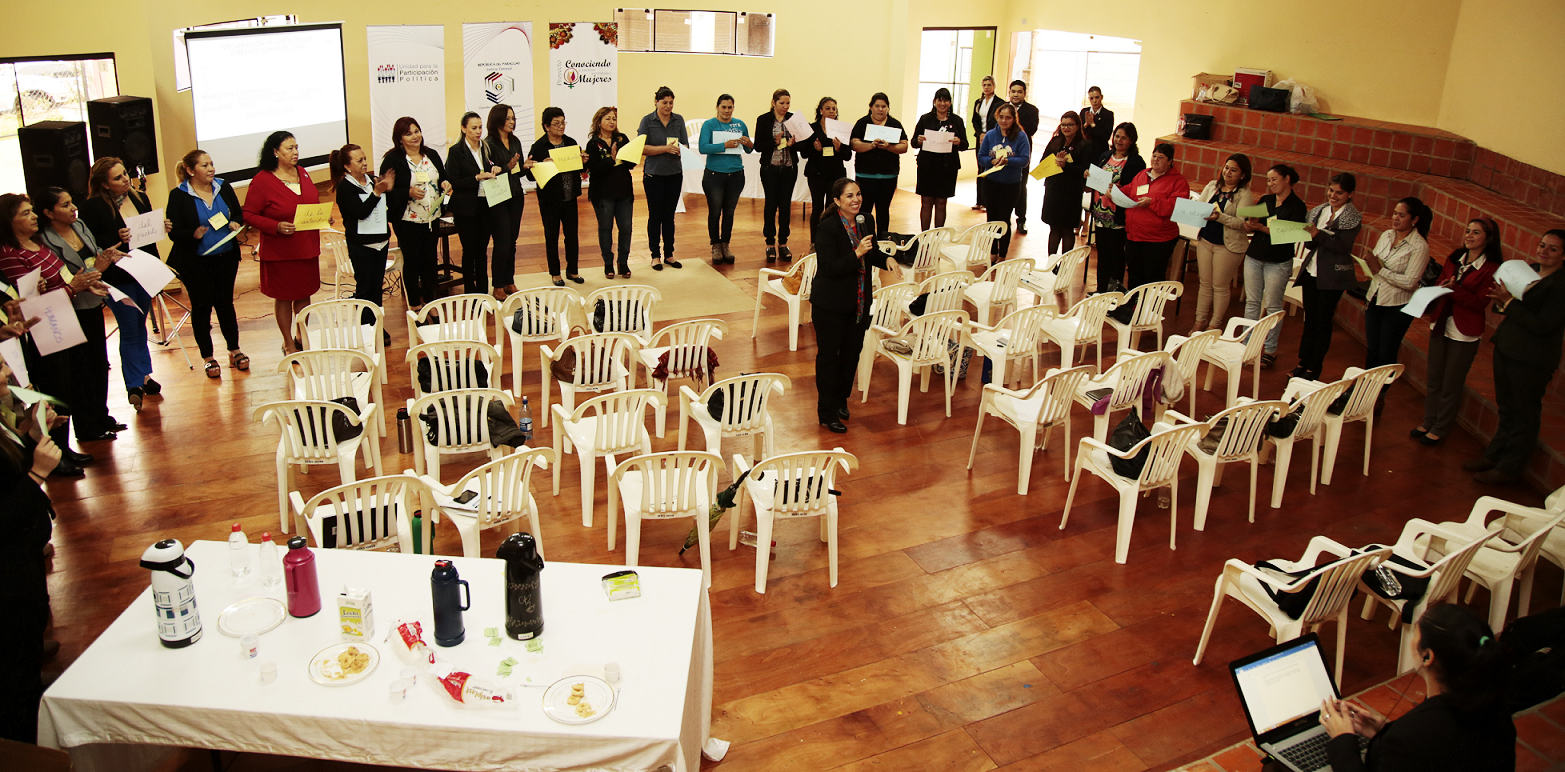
[(27, 455), (110, 196), (468, 166), (412, 206), (1327, 271), (362, 201), (1073, 151), (1526, 353), (557, 197), (827, 161), (505, 220), (845, 259), (1123, 162), (205, 261)]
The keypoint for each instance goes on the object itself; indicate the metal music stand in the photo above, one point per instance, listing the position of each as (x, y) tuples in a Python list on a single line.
[(159, 314)]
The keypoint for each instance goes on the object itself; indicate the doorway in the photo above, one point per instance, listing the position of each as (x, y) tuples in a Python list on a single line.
[(1066, 64)]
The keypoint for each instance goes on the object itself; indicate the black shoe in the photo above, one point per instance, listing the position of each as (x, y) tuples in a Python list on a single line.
[(115, 426), (1300, 372), (842, 412), (1430, 441), (79, 459), (835, 426), (784, 255), (1417, 434), (1479, 464), (152, 388), (51, 649), (133, 395), (103, 435), (771, 254), (68, 469), (1021, 230), (577, 279), (558, 282), (385, 338)]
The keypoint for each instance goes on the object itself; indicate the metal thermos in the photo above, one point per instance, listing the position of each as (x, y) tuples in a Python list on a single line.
[(173, 594), (404, 431), (451, 597), (523, 594), (304, 589)]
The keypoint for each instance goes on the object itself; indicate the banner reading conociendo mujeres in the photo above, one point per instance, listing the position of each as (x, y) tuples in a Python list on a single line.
[(583, 72)]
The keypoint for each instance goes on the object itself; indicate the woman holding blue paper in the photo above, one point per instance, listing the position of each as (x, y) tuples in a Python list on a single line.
[(111, 197), (723, 139), (362, 201), (206, 217), (557, 196), (879, 159), (1006, 147), (1268, 266), (1458, 326)]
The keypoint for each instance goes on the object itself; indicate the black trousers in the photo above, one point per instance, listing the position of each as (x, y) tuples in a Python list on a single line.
[(820, 190), (1001, 198), (1021, 203), (838, 340), (663, 193), (1518, 391), (1111, 256), (24, 591), (1148, 260), (978, 187), (210, 280), (1320, 306), (877, 198), (86, 377), (369, 275), (473, 231), (722, 197), (418, 261), (612, 211), (1384, 328), (778, 182), (505, 224), (559, 216)]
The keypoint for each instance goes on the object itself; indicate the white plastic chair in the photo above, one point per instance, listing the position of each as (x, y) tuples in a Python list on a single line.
[(927, 248), (1163, 450), (790, 486), (1367, 385), (627, 308), (887, 312), (973, 246), (503, 496), (461, 317), (746, 412), (1554, 543), (1244, 433), (1334, 586), (306, 439), (373, 514), (930, 336), (1512, 555), (1187, 358), (454, 364), (665, 486), (1444, 575), (686, 345), (1150, 301), (1311, 399), (770, 282), (1081, 326), (1044, 406), (603, 363), (1016, 338), (995, 290), (547, 316), (1235, 350), (339, 324), (941, 292), (328, 374), (1047, 282), (461, 426), (1126, 383), (602, 427)]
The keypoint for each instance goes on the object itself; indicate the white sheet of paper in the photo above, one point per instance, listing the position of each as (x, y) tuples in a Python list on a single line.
[(145, 228), (28, 284), (891, 134), (838, 130), (1516, 276), (376, 221), (799, 127), (720, 137), (225, 240), (11, 352), (1119, 197), (938, 141), (1422, 297), (147, 270), (1190, 212), (691, 161), (57, 328), (1099, 178)]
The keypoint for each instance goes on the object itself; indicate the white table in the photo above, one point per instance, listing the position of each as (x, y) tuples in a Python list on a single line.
[(127, 698)]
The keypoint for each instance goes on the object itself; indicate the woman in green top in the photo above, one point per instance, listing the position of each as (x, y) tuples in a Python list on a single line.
[(724, 176)]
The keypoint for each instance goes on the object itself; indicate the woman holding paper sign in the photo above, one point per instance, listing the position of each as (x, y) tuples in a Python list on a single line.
[(1150, 234), (69, 239), (1072, 153), (937, 169), (828, 161), (110, 199), (470, 170), (1005, 147), (1220, 246), (612, 195), (505, 219), (1458, 326), (723, 139), (1327, 271), (362, 201), (663, 174), (290, 258), (1395, 265), (1123, 162), (779, 153), (1268, 266), (207, 218), (557, 192), (413, 205), (879, 140)]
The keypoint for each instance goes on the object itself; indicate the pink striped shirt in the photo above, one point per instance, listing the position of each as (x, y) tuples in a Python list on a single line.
[(16, 263)]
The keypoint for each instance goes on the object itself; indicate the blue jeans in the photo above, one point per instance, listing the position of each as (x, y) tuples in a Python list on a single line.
[(135, 359), (722, 196), (612, 212), (1264, 284)]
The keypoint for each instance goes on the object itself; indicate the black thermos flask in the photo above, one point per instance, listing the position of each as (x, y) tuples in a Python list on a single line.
[(451, 597), (523, 596)]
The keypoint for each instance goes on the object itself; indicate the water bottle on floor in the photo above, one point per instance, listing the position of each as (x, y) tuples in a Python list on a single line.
[(525, 422), (238, 553)]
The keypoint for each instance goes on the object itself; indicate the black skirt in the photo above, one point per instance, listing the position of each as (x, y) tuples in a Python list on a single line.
[(937, 174)]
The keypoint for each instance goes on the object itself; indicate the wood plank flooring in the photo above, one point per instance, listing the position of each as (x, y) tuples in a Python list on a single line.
[(968, 632)]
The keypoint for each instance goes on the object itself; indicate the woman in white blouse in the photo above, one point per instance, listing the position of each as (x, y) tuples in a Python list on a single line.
[(1396, 265)]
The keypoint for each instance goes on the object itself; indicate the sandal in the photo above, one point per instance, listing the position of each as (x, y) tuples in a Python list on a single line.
[(624, 274), (238, 360), (213, 369), (1267, 360), (608, 273)]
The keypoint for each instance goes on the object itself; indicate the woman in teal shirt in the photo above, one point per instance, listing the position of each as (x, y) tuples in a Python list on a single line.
[(724, 176)]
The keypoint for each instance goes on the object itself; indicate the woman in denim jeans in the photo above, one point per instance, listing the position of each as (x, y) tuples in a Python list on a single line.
[(611, 193), (724, 176), (1268, 266)]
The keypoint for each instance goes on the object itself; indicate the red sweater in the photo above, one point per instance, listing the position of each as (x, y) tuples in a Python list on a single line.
[(1469, 297), (270, 202), (1150, 222)]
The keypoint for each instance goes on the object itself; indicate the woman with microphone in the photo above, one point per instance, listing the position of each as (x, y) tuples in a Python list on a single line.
[(469, 167), (845, 256), (362, 201)]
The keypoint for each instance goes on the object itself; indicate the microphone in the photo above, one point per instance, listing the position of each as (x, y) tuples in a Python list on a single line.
[(858, 221)]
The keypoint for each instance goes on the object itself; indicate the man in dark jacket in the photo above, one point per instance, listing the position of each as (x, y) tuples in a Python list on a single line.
[(984, 108), (1027, 116)]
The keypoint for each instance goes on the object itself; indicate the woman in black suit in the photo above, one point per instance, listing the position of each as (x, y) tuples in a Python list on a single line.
[(845, 259), (413, 205), (505, 220), (1073, 151), (827, 161), (1463, 724), (362, 200), (207, 255), (468, 166)]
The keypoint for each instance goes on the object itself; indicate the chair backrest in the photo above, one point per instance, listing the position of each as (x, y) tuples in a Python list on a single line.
[(1188, 351), (801, 482), (503, 485), (1367, 385), (1005, 276), (1072, 261), (745, 400), (338, 324), (1150, 300), (930, 335), (1131, 374), (463, 317), (324, 374), (1058, 392), (804, 268), (1245, 427), (1164, 450), (673, 483), (1257, 333), (944, 291), (927, 246), (1314, 405), (1449, 569), (461, 417), (687, 344), (546, 313), (306, 424), (339, 253), (889, 301), (620, 418), (453, 364), (1024, 330), (1338, 581), (981, 238), (601, 358), (367, 512), (626, 308), (1090, 312)]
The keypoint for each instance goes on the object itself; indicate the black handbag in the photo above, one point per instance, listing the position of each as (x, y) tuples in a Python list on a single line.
[(1431, 275), (1129, 432), (340, 427), (600, 315), (1272, 100)]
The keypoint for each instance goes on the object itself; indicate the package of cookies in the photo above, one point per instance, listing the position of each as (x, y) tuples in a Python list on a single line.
[(469, 690), (407, 639)]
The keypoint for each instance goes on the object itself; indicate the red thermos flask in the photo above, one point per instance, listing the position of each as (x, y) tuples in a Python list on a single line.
[(304, 589)]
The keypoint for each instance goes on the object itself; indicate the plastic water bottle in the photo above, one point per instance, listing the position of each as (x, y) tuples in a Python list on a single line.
[(525, 422), (238, 553), (271, 569)]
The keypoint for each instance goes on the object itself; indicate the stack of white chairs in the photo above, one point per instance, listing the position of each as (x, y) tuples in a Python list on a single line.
[(771, 281), (686, 344), (1044, 406)]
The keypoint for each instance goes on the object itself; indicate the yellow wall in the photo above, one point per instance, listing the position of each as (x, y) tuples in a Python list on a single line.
[(1505, 86)]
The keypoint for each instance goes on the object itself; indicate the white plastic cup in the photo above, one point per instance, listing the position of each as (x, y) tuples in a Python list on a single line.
[(250, 646), (398, 691), (611, 672), (268, 672), (410, 676)]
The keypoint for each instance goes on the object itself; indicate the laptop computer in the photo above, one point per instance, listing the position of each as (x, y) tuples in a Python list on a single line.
[(1282, 689)]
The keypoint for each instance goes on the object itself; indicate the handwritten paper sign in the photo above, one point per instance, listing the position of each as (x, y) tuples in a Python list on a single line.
[(724, 137), (11, 352), (1046, 168), (1099, 178), (632, 152), (938, 141), (311, 217), (145, 228), (1255, 212), (1120, 198), (1287, 231), (57, 328), (147, 270), (1421, 298), (28, 284), (798, 126), (838, 130), (891, 134), (1188, 211), (566, 159), (1516, 276), (497, 190)]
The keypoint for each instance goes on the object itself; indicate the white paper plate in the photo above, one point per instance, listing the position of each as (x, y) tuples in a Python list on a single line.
[(325, 669), (251, 616), (596, 691)]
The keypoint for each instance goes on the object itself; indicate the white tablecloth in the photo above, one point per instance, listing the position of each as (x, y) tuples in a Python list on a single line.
[(127, 691)]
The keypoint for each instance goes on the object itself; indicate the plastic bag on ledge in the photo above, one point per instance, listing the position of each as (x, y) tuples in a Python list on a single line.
[(1301, 99)]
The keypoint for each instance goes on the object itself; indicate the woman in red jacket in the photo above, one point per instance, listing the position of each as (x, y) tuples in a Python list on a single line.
[(290, 258), (1150, 234), (1458, 326)]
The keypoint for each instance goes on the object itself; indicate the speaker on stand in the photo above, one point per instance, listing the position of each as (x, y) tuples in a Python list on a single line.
[(122, 127), (54, 155)]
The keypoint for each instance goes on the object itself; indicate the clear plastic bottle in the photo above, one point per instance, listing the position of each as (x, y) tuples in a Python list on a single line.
[(751, 539), (525, 421), (271, 568), (238, 552)]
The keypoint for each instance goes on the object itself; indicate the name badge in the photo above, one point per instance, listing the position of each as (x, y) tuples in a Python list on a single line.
[(673, 140), (1142, 190), (421, 177), (827, 151), (217, 220)]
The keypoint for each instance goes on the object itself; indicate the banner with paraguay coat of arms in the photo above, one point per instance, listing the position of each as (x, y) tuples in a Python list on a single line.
[(497, 68), (584, 73)]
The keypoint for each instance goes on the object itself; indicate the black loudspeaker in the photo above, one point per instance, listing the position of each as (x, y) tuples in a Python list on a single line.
[(122, 127), (54, 155)]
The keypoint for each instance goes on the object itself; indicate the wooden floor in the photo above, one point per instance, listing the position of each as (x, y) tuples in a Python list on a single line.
[(968, 631)]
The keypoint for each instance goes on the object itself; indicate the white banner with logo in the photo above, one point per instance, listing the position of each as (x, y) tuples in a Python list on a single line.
[(497, 69), (407, 77), (584, 73)]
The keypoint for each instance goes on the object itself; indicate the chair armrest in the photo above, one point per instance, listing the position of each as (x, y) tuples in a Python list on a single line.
[(973, 326), (740, 466), (990, 388), (1323, 545), (1235, 324), (1088, 443), (436, 485), (1180, 418), (688, 393), (1240, 567), (558, 411), (297, 502), (771, 272)]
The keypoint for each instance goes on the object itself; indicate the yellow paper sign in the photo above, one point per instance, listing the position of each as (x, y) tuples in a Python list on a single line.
[(217, 220), (311, 217), (631, 153), (545, 171), (991, 170), (566, 159), (827, 151), (1046, 168), (673, 140), (10, 293)]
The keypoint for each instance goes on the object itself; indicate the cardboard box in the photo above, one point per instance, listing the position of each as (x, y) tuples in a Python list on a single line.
[(355, 614), (1204, 79), (1245, 77)]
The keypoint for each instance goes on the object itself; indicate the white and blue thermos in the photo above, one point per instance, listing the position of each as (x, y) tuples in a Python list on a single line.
[(173, 594)]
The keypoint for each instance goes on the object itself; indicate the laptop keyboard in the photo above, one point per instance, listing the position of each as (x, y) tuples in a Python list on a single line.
[(1310, 753)]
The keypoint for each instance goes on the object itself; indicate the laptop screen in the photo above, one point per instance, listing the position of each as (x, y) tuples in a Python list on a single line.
[(1284, 683)]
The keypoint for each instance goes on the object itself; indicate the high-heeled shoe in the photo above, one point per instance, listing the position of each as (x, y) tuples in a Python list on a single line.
[(238, 360)]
